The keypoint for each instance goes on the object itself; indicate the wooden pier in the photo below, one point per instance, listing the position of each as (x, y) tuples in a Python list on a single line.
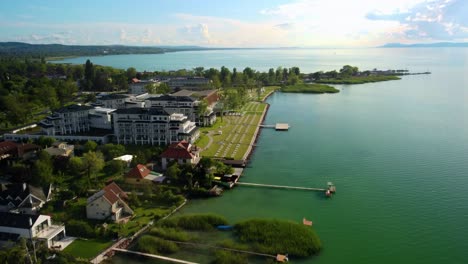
[(282, 186), (154, 256), (278, 126)]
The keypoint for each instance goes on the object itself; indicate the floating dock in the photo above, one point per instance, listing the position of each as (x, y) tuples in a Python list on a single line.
[(278, 126)]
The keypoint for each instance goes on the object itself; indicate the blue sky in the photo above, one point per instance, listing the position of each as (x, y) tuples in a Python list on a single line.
[(268, 23)]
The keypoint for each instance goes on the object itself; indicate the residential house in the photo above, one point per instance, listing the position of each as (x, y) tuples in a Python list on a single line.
[(40, 227), (108, 203), (181, 152), (23, 198), (142, 175), (60, 149), (152, 126)]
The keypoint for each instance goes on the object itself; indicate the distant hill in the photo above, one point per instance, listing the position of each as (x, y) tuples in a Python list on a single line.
[(20, 49), (426, 45)]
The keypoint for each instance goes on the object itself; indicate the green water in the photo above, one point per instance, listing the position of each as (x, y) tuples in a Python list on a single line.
[(397, 152)]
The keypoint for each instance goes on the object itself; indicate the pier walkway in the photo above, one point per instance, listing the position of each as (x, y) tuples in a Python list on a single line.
[(281, 186), (278, 126), (154, 256)]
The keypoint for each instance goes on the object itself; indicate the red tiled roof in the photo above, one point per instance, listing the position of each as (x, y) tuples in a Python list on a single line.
[(139, 172), (180, 150), (112, 193), (7, 146), (135, 80)]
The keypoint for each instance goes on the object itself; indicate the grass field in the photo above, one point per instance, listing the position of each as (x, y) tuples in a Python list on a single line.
[(87, 249), (236, 134)]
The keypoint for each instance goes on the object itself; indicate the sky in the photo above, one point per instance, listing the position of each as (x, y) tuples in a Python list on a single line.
[(240, 23)]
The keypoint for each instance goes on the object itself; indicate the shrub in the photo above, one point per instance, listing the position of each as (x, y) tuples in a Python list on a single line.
[(199, 222), (170, 234), (226, 257), (80, 229), (154, 245), (274, 236)]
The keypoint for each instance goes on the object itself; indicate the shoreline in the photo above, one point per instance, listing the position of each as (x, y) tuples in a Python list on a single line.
[(249, 152)]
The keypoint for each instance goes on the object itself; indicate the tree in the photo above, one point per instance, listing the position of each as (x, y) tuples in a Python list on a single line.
[(42, 170), (202, 109), (348, 70), (131, 73), (199, 71), (216, 83), (111, 151), (90, 146), (93, 162), (75, 166), (89, 74), (173, 172), (114, 167), (45, 141)]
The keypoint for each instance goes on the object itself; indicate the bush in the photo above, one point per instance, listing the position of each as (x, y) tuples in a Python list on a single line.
[(199, 222), (274, 236), (199, 193), (170, 234), (154, 245), (80, 229)]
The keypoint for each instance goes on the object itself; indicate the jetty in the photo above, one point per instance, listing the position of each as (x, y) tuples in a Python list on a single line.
[(278, 126), (154, 256), (282, 186)]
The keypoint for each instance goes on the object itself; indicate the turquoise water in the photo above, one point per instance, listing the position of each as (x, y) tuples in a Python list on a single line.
[(397, 151), (309, 60)]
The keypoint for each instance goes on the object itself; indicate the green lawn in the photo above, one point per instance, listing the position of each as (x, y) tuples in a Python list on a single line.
[(87, 249), (237, 132)]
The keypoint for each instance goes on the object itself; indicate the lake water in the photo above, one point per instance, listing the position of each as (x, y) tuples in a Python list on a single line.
[(397, 152)]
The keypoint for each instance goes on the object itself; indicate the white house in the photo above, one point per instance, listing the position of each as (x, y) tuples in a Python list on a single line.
[(113, 101), (30, 226), (108, 203)]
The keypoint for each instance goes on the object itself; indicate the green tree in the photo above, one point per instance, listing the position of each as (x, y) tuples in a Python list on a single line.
[(45, 141), (131, 73), (75, 166), (89, 146), (114, 167), (42, 170), (111, 151), (89, 75), (93, 162), (173, 172)]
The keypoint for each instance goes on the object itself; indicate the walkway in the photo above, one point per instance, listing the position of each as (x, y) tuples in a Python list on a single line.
[(154, 256)]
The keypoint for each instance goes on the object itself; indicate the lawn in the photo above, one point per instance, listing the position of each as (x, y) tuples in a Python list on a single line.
[(236, 132), (87, 249)]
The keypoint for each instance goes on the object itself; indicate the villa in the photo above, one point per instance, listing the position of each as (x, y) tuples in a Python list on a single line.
[(108, 203), (182, 153)]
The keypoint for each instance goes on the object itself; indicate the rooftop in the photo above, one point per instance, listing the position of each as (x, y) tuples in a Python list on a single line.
[(73, 108), (113, 97), (167, 97), (141, 111), (17, 220), (203, 93)]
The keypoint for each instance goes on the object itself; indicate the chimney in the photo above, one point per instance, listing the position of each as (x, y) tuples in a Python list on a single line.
[(30, 221), (24, 186)]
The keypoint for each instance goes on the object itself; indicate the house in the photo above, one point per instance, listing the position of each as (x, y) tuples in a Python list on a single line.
[(40, 227), (152, 126), (23, 198), (182, 152), (11, 150), (108, 203), (142, 175), (60, 149)]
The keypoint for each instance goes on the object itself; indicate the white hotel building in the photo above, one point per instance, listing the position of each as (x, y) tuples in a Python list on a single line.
[(152, 126)]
